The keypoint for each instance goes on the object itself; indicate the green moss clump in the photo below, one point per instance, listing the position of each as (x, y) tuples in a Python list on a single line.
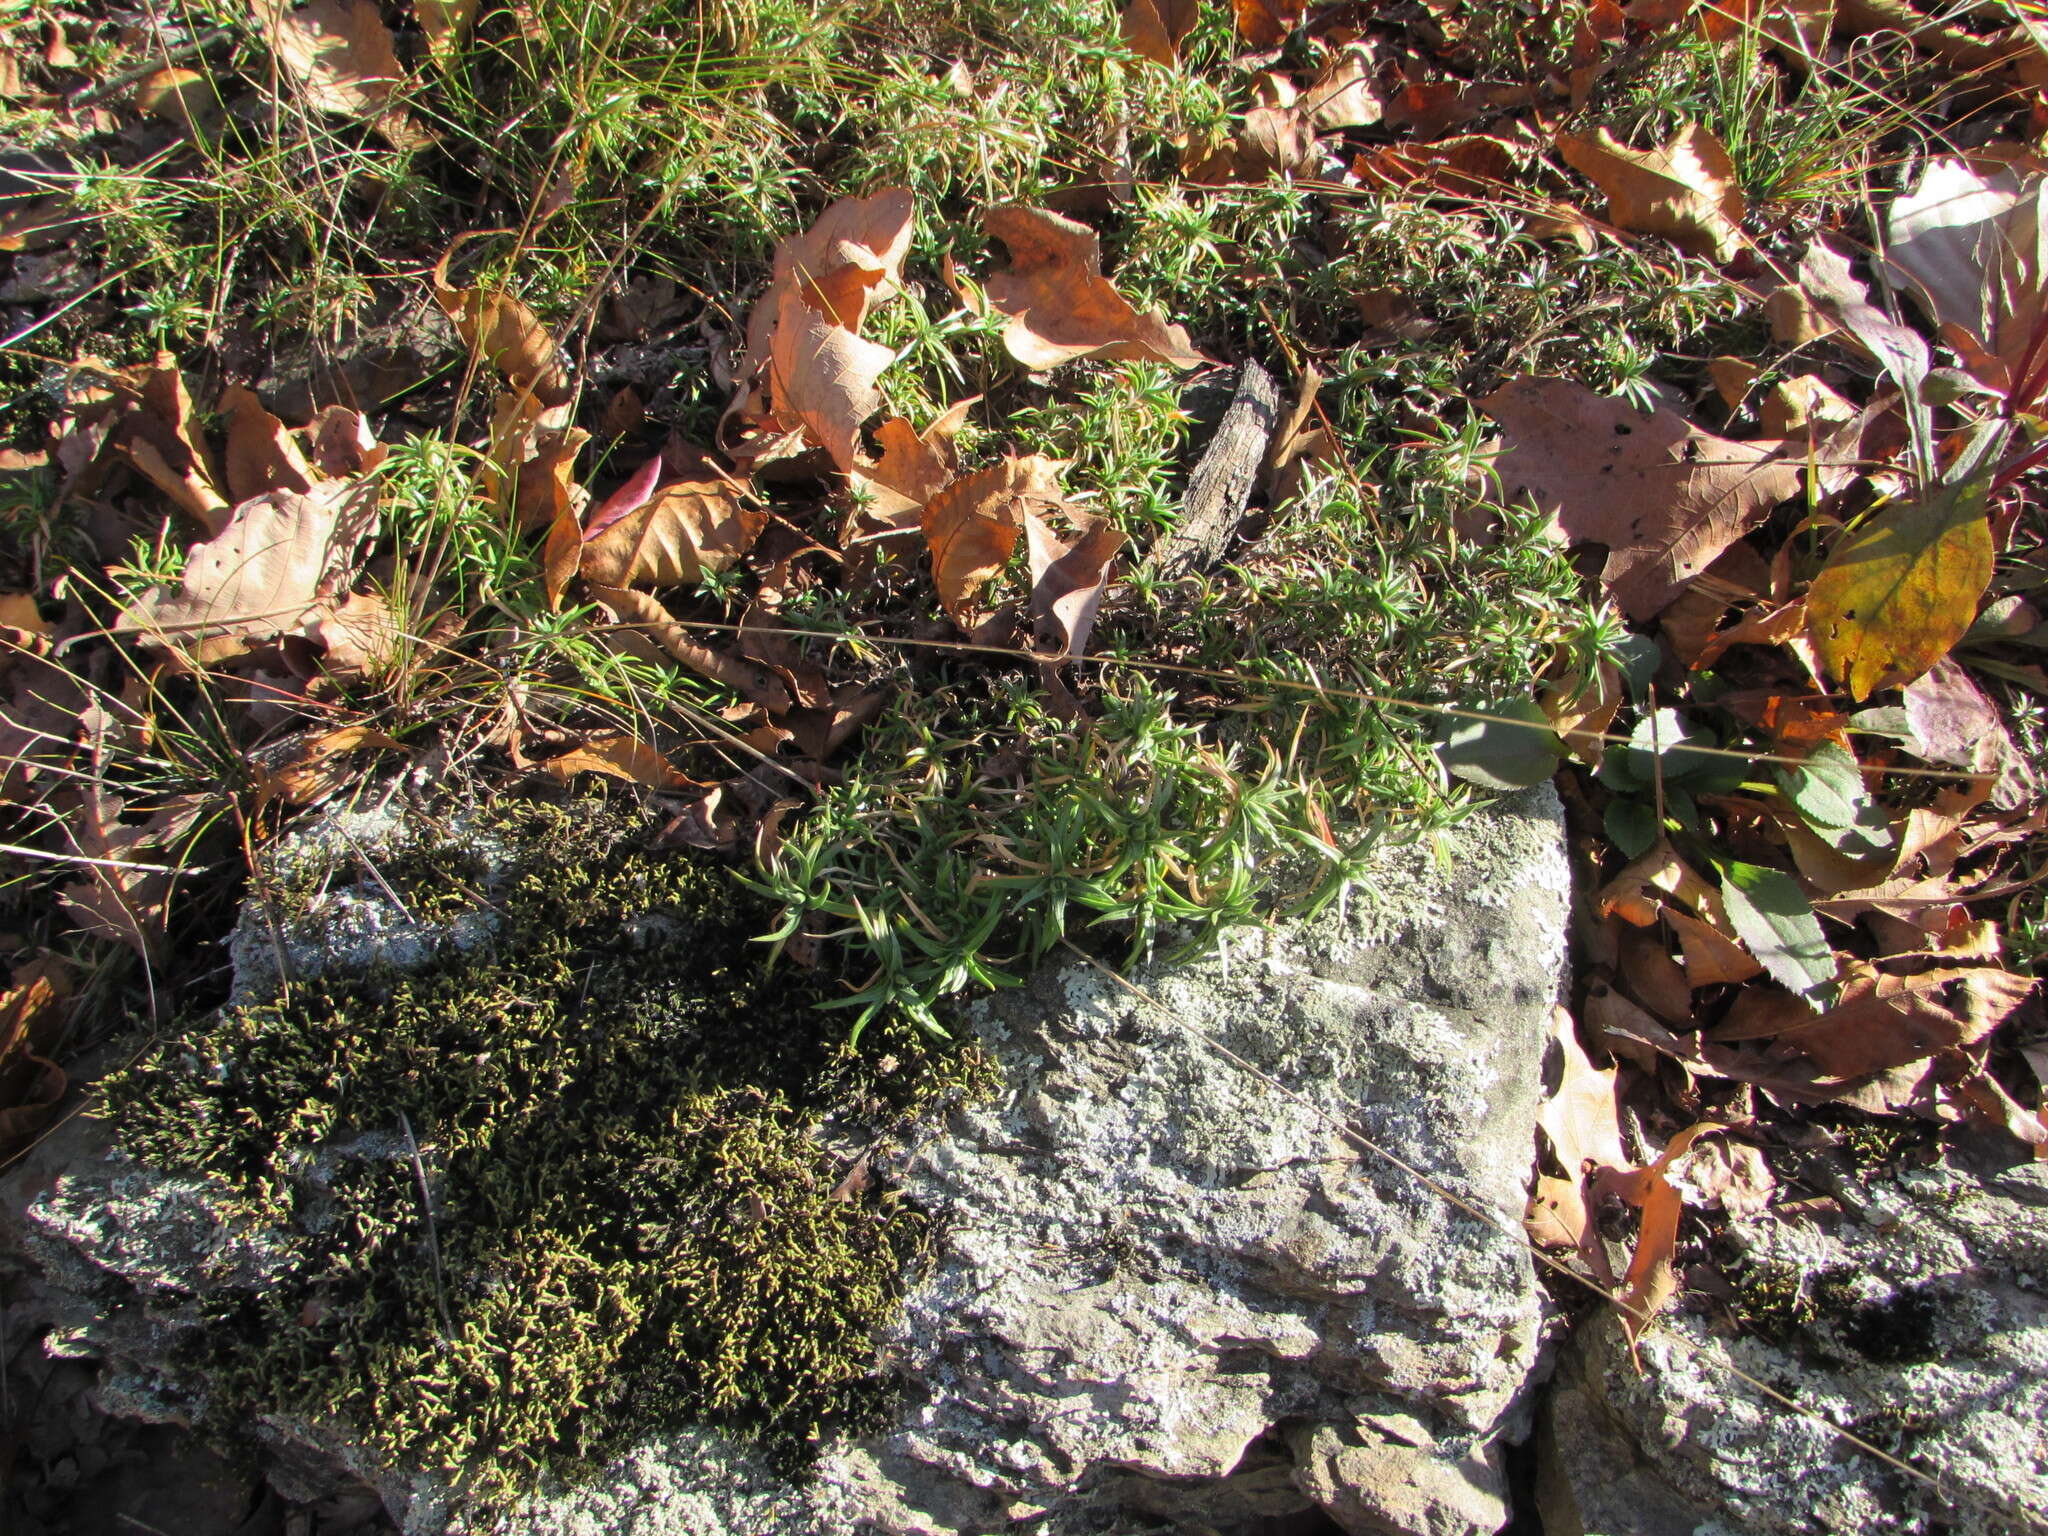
[(620, 1110)]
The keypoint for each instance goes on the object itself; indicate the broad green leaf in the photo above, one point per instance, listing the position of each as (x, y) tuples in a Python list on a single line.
[(1510, 752), (1900, 591), (1772, 916), (1666, 738), (1827, 790), (1631, 826)]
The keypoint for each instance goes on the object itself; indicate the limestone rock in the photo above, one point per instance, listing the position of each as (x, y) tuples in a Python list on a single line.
[(1168, 1287), (1928, 1335), (1167, 1292)]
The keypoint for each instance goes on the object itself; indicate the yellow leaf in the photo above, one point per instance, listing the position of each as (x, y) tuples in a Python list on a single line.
[(1898, 593)]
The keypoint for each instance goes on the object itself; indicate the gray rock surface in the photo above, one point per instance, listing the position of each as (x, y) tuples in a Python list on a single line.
[(1171, 1290), (1169, 1294), (1928, 1337)]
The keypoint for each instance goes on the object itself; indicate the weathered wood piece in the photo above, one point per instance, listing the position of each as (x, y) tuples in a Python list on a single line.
[(1221, 486)]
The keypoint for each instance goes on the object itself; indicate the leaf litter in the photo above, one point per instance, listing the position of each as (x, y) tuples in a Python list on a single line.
[(1786, 917)]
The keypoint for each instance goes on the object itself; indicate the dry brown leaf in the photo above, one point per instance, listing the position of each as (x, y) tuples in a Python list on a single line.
[(122, 895), (1728, 1173), (1266, 23), (312, 770), (1732, 378), (1581, 1121), (1346, 94), (1582, 708), (545, 493), (1060, 305), (1665, 497), (340, 54), (1803, 404), (504, 333), (644, 613), (261, 454), (621, 757), (972, 526), (824, 377), (444, 22), (31, 1086), (806, 365), (652, 535), (1271, 141), (1684, 191), (1651, 1282), (1471, 165), (1711, 956), (1153, 29), (279, 558), (183, 98), (1973, 247), (161, 435), (360, 636), (1068, 580)]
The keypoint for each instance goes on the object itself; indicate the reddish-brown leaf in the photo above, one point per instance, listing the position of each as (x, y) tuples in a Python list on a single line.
[(1664, 497)]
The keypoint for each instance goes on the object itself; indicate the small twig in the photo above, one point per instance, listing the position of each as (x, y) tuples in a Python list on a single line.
[(419, 1173)]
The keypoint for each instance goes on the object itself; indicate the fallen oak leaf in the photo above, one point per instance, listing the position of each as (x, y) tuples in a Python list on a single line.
[(1266, 24), (1665, 497), (274, 564), (806, 366), (310, 771), (1154, 29), (1685, 190), (1651, 1281), (1060, 305), (1581, 1120), (121, 898), (647, 534), (503, 332), (261, 454), (1068, 581), (1973, 249), (341, 56), (825, 376)]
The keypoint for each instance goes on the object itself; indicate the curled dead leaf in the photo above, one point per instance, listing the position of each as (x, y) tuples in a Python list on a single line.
[(972, 526)]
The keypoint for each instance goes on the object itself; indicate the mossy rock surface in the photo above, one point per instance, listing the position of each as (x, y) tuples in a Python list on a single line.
[(633, 1133)]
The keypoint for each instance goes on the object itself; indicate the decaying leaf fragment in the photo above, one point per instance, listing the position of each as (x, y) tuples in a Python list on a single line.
[(1665, 497), (1972, 245), (1581, 1122), (1685, 190), (1060, 305), (1068, 579), (807, 368), (1153, 29)]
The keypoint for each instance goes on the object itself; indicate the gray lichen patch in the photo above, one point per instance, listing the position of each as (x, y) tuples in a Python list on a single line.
[(626, 1212)]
